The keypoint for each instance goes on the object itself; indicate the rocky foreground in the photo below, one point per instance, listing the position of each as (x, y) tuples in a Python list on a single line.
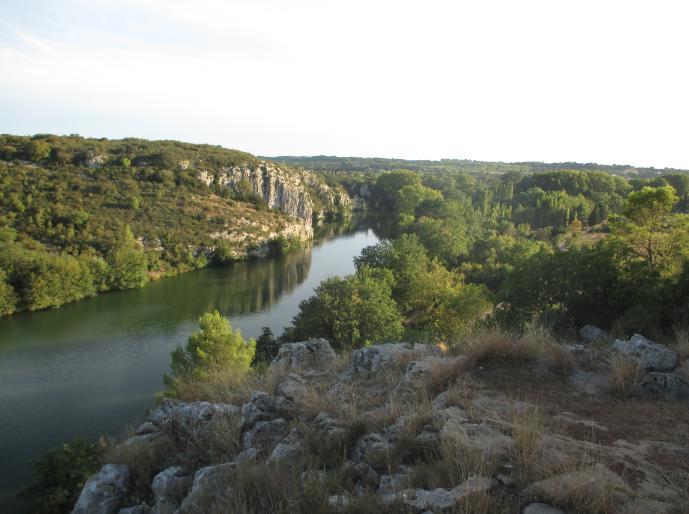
[(509, 426)]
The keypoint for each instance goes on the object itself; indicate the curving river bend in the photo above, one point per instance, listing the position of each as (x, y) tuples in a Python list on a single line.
[(94, 367)]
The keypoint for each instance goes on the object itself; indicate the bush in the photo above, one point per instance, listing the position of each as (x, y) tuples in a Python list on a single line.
[(351, 312), (61, 474), (214, 349)]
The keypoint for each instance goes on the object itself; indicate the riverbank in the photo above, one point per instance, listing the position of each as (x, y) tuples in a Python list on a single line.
[(94, 367)]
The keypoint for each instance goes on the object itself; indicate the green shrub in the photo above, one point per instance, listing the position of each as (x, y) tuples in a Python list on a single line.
[(60, 476), (214, 349)]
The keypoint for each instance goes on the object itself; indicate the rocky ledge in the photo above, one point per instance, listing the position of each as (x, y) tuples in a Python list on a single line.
[(405, 428), (296, 193)]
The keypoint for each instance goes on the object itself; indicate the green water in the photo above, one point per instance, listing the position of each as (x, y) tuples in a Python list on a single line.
[(94, 367)]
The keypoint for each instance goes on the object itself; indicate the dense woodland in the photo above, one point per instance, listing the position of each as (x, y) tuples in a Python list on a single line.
[(376, 165), (80, 216), (561, 248)]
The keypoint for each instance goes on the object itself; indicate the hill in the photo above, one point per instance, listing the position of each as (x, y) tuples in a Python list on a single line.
[(79, 216), (378, 164)]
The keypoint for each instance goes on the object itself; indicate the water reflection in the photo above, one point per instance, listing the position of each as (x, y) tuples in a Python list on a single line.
[(94, 366)]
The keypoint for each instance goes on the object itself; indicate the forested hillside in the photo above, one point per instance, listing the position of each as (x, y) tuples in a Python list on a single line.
[(80, 216), (377, 164), (563, 248)]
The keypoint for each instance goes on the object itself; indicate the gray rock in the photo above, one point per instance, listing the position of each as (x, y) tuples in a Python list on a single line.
[(368, 446), (418, 372), (391, 486), (293, 388), (362, 472), (169, 487), (264, 435), (541, 508), (444, 500), (590, 382), (104, 491), (338, 502), (481, 437), (146, 428), (210, 491), (592, 334), (186, 418), (136, 509), (372, 358), (667, 386), (263, 407), (315, 353), (248, 455), (287, 451), (649, 355)]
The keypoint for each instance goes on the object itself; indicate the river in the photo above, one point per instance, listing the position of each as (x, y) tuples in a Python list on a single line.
[(94, 367)]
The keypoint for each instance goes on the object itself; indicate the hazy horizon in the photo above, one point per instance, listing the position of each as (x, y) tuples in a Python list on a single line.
[(533, 81)]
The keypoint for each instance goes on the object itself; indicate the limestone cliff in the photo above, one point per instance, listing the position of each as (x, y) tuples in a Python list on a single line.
[(297, 193)]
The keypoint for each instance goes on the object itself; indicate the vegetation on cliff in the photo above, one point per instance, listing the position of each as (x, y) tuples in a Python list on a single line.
[(80, 216)]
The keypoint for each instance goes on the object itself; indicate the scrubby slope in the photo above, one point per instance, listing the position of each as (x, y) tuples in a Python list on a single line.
[(508, 425)]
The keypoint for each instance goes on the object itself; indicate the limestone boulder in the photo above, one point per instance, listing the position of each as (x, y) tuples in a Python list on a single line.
[(169, 487), (312, 354), (592, 334), (649, 355), (104, 491)]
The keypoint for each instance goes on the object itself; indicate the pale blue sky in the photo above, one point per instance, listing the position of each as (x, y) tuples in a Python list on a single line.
[(549, 80)]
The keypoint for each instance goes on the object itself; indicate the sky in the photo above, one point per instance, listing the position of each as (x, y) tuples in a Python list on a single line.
[(602, 81)]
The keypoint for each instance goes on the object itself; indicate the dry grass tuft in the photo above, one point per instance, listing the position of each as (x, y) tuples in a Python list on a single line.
[(681, 343), (144, 458), (625, 376), (500, 345), (460, 393), (527, 431), (451, 463)]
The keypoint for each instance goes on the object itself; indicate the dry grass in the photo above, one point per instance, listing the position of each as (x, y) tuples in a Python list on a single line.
[(145, 460), (680, 344), (226, 386), (527, 431), (588, 495), (441, 374), (216, 444), (460, 393), (455, 461), (625, 376), (500, 345)]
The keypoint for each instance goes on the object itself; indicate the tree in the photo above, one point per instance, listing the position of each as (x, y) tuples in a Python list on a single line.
[(128, 264), (389, 184), (266, 347), (351, 312), (37, 150), (8, 298), (215, 348), (649, 231)]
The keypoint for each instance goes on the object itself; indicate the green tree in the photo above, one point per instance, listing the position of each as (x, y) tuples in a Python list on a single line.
[(134, 202), (213, 349), (389, 184), (650, 231), (266, 347), (127, 261), (351, 312), (8, 298), (36, 150)]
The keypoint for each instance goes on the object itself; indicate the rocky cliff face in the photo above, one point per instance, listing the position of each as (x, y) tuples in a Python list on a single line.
[(299, 194)]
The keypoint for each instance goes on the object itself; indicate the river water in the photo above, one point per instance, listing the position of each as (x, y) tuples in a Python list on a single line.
[(94, 367)]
